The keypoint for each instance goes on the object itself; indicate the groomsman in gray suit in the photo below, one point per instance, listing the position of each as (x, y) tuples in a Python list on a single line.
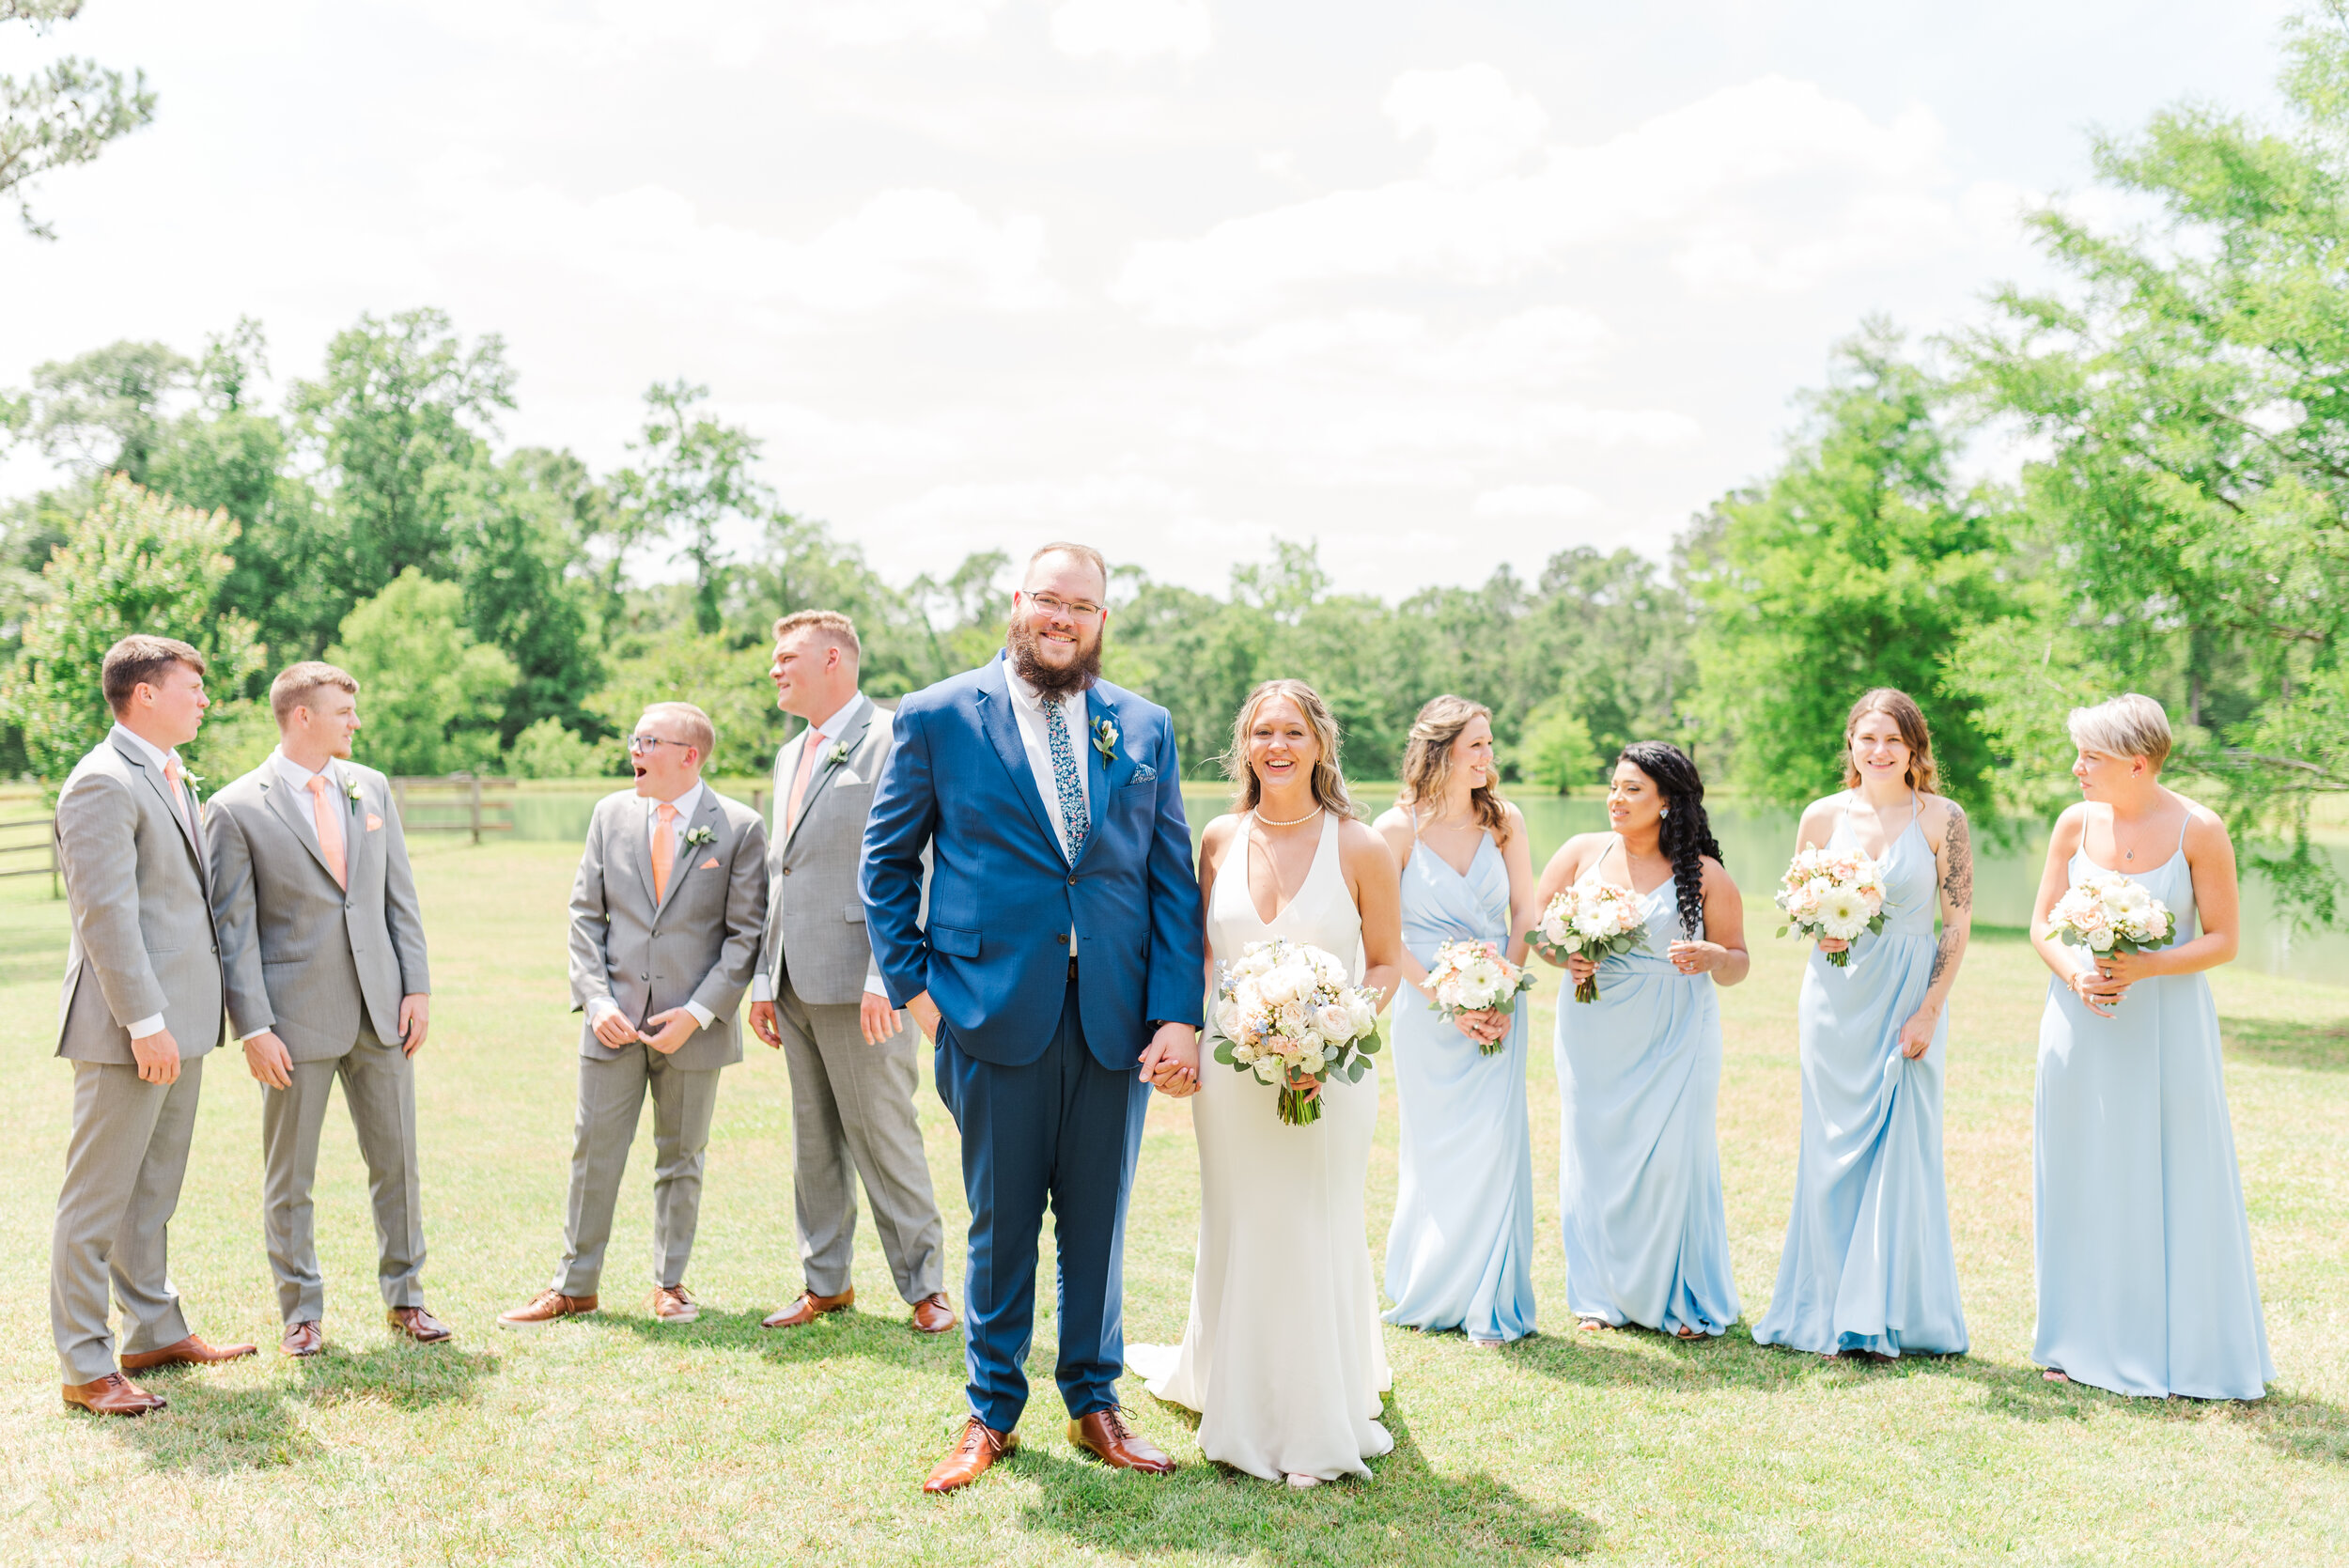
[(818, 994), (666, 915), (140, 1008), (323, 947)]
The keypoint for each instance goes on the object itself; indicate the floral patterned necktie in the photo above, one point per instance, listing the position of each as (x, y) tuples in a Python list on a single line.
[(1073, 822)]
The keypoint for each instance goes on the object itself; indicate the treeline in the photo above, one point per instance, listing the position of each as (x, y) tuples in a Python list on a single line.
[(2178, 528)]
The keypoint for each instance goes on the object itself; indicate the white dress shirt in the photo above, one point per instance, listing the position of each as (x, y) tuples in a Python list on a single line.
[(1027, 706), (763, 984), (687, 804), (156, 757)]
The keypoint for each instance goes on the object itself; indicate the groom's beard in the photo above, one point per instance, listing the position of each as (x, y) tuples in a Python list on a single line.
[(1026, 662)]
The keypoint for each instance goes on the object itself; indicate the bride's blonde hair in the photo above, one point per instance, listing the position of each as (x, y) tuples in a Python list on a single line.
[(1328, 781)]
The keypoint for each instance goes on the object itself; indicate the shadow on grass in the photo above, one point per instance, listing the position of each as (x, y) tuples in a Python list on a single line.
[(2287, 1043), (210, 1428), (1406, 1514), (849, 1332)]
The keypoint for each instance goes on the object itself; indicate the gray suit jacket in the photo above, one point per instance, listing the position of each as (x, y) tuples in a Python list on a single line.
[(699, 944), (303, 957), (816, 939), (142, 940)]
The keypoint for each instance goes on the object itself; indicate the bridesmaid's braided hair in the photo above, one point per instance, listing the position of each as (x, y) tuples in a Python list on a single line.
[(1684, 834)]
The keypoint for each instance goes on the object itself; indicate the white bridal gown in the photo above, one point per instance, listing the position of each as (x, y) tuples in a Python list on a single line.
[(1283, 1358)]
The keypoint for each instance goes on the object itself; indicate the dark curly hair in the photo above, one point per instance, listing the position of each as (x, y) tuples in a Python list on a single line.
[(1685, 833)]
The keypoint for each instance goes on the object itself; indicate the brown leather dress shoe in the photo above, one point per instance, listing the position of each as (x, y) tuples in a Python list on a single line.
[(670, 1304), (193, 1350), (417, 1323), (1105, 1436), (548, 1305), (808, 1308), (933, 1314), (976, 1450), (112, 1395), (303, 1339)]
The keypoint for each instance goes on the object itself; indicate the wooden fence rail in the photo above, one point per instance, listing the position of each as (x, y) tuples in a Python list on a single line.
[(458, 803), (45, 846)]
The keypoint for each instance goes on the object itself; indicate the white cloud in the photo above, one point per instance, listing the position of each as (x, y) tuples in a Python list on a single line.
[(885, 21), (1481, 126), (1532, 349), (1679, 168), (1131, 30), (1534, 501)]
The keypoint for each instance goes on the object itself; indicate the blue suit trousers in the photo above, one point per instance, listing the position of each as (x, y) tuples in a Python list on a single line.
[(1062, 1129)]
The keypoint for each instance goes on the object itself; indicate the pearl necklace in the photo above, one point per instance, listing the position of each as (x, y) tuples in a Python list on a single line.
[(1263, 821)]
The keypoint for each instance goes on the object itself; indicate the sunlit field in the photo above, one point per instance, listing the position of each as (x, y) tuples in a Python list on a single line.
[(611, 1439)]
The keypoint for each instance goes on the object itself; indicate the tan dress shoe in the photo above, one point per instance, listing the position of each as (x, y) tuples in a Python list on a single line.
[(933, 1314), (548, 1305), (193, 1350), (1105, 1436), (670, 1304), (112, 1395), (808, 1308), (975, 1452), (303, 1339), (417, 1323)]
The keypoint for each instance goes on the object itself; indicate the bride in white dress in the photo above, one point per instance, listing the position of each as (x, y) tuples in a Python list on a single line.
[(1282, 1357)]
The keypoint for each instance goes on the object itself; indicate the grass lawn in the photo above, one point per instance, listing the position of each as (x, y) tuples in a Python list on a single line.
[(613, 1440)]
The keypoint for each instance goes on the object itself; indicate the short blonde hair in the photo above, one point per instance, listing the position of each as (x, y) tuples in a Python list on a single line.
[(699, 732), (842, 629), (2129, 726), (1086, 554), (296, 684)]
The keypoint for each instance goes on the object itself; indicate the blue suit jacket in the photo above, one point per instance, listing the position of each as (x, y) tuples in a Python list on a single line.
[(994, 956)]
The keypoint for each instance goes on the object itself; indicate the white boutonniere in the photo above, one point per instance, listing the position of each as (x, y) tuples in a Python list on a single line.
[(350, 788), (696, 837), (1105, 739), (837, 756)]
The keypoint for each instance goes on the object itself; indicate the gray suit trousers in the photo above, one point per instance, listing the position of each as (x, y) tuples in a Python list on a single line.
[(611, 1101), (852, 1115), (379, 1085), (122, 1172)]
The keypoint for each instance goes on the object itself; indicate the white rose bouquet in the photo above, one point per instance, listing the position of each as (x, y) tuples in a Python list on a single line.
[(1591, 920), (2111, 914), (1831, 892), (1473, 977), (1284, 1013)]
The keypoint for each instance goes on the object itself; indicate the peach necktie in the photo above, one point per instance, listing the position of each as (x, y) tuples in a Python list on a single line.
[(799, 780), (183, 801), (329, 828), (663, 850)]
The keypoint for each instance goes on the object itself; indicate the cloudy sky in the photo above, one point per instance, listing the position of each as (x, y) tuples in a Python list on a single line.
[(1442, 285)]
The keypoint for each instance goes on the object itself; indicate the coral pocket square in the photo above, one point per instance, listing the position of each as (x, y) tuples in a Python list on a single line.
[(710, 864), (374, 822)]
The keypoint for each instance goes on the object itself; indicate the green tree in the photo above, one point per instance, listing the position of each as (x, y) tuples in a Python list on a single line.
[(132, 562), (694, 477), (726, 682), (431, 698), (103, 412), (1858, 564), (1557, 753), (522, 567), (2190, 384), (62, 115)]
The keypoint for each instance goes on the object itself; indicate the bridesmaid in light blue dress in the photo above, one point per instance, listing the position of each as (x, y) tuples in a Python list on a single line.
[(1460, 1251), (2146, 1285), (1639, 1069), (1867, 1267)]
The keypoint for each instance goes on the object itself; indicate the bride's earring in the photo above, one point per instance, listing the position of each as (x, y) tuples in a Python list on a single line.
[(1663, 811)]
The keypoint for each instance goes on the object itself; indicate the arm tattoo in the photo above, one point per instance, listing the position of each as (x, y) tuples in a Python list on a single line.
[(1944, 955), (1957, 851)]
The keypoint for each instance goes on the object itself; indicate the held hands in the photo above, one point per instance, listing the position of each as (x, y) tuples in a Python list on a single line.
[(265, 1057), (763, 1024), (158, 1056), (1485, 1026), (415, 1022), (1698, 958), (1170, 1062), (676, 1027), (2097, 992), (2128, 968)]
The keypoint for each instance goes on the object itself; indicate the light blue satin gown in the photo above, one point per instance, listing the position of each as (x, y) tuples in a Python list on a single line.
[(2144, 1253), (1639, 1172), (1868, 1264), (1460, 1251)]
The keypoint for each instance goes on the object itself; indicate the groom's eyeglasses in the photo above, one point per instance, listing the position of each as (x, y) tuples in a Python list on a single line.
[(1078, 609)]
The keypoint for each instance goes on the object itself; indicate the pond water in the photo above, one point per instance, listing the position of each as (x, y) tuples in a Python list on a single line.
[(1754, 842)]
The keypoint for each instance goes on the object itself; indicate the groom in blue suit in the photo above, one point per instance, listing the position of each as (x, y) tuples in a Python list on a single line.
[(1061, 974)]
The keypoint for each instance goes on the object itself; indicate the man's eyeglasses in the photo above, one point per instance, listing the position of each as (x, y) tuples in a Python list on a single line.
[(1079, 609), (646, 742)]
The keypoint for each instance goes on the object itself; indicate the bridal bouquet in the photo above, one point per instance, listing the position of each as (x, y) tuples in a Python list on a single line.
[(1831, 892), (2111, 914), (1284, 1013), (1473, 977), (1592, 921)]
